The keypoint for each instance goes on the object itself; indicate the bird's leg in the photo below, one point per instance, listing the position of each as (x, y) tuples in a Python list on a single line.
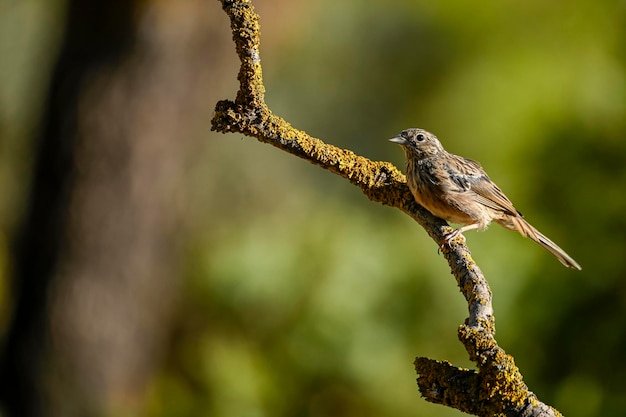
[(449, 236)]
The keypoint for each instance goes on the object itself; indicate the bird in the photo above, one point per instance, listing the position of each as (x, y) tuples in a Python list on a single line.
[(459, 191)]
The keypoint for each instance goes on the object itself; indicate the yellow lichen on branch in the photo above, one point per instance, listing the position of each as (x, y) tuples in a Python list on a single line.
[(497, 387)]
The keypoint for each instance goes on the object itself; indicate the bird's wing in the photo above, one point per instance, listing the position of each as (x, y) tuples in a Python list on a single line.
[(470, 177)]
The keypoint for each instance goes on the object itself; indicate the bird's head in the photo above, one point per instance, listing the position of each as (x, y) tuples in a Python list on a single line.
[(418, 143)]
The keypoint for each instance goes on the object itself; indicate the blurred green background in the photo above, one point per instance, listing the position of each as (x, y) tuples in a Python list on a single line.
[(299, 297)]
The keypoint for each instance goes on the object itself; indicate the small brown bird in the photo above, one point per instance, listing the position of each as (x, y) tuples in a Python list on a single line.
[(458, 190)]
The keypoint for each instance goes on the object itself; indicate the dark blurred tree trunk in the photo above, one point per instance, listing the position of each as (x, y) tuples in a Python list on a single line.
[(96, 263)]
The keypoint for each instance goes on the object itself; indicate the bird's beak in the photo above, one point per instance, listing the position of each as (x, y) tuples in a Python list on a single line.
[(398, 139)]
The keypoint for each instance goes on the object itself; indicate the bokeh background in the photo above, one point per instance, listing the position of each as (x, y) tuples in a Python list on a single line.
[(151, 267)]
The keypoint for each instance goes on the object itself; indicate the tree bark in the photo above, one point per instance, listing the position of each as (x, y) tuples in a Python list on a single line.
[(97, 259), (497, 387)]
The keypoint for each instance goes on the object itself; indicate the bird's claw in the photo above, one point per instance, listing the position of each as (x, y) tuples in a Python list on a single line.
[(448, 237)]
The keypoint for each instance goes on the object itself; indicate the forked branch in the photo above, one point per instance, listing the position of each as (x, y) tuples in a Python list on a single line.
[(496, 388)]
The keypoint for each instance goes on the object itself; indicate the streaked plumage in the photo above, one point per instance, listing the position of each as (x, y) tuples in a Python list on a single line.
[(458, 190)]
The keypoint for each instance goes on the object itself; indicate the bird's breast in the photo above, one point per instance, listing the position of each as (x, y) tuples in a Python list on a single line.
[(429, 185)]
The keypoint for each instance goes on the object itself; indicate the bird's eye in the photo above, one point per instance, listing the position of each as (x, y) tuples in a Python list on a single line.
[(420, 137)]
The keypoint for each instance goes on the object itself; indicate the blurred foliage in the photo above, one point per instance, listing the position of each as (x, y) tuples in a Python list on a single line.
[(303, 298)]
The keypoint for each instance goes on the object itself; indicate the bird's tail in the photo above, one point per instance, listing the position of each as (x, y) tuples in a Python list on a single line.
[(527, 230)]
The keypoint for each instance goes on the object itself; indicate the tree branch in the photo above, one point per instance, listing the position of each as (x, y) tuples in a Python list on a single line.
[(497, 388)]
